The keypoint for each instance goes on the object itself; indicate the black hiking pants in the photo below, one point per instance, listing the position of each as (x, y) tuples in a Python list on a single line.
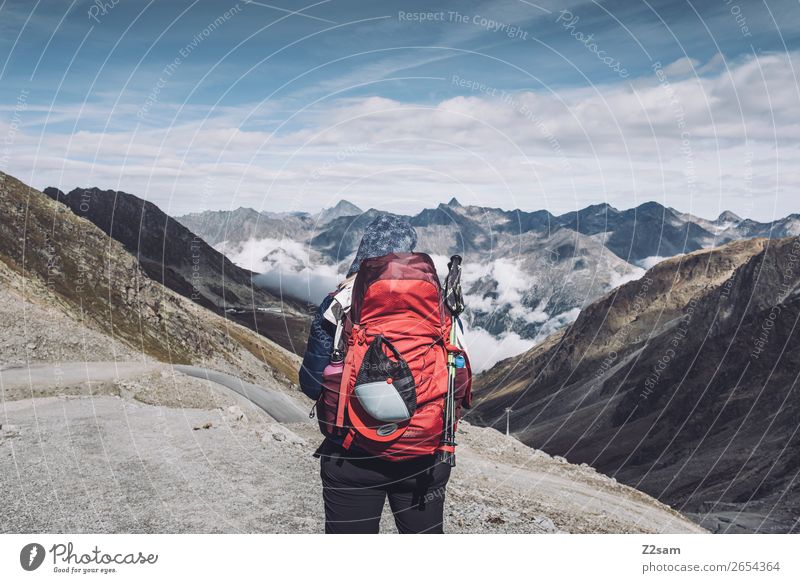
[(355, 490)]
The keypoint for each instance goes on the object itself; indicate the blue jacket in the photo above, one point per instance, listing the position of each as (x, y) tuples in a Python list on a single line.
[(318, 351)]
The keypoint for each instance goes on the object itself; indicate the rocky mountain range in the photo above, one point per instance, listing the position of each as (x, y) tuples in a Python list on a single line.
[(100, 388), (681, 383), (244, 224), (678, 381), (526, 274), (174, 256)]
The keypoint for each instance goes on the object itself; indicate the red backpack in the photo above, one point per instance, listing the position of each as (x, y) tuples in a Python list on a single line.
[(387, 396)]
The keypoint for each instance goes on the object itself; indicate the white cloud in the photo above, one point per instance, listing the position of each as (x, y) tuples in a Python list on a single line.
[(634, 273), (486, 350), (622, 144), (648, 262), (556, 323), (284, 266), (294, 269), (681, 67)]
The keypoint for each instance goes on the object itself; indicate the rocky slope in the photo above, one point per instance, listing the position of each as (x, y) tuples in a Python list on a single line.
[(54, 261), (680, 383), (171, 254), (36, 329)]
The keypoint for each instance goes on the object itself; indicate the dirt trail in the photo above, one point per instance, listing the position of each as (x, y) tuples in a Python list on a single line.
[(165, 452), (97, 378)]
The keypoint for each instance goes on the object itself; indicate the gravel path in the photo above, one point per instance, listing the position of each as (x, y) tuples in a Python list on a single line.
[(38, 380), (278, 405), (107, 464), (172, 453), (98, 378)]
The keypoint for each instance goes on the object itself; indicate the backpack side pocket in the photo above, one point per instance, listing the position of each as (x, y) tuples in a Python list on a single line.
[(463, 385), (328, 402)]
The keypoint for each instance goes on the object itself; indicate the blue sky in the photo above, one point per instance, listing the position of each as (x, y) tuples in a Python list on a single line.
[(401, 105)]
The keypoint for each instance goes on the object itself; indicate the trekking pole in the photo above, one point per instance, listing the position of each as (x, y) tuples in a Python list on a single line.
[(454, 300)]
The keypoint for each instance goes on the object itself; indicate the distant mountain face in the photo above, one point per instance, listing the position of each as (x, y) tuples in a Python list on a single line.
[(523, 274), (526, 274), (342, 208), (174, 256), (681, 383), (649, 230), (244, 224)]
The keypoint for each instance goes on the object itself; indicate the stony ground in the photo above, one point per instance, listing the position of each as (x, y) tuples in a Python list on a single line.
[(34, 330), (162, 452)]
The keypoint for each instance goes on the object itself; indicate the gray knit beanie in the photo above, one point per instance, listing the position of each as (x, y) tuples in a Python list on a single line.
[(387, 233)]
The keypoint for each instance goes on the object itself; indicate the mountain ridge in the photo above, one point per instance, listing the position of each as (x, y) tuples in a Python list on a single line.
[(176, 257), (93, 279), (525, 273), (454, 202), (677, 233)]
